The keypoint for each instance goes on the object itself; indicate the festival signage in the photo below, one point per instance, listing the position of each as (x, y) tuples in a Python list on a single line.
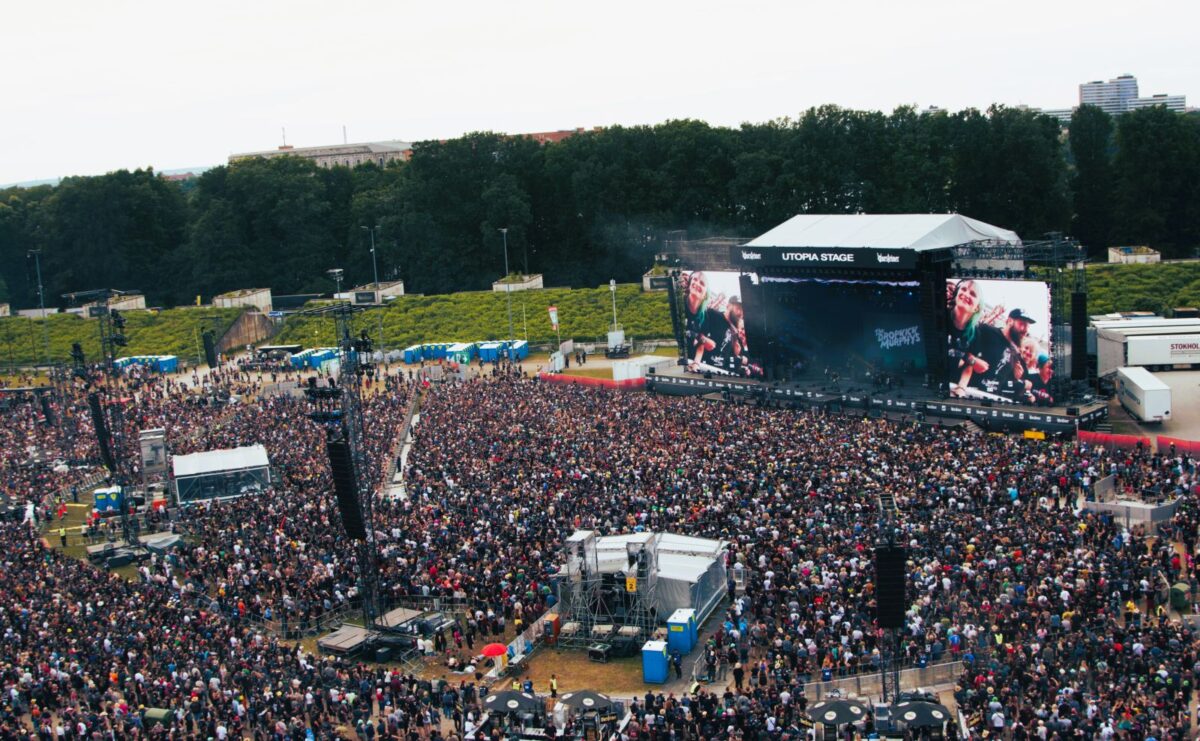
[(823, 257)]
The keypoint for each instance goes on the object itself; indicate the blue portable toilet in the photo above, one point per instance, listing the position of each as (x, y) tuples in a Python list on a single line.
[(412, 354), (300, 359), (166, 363), (461, 352), (489, 352), (320, 356), (690, 614), (108, 499), (519, 350), (655, 662), (679, 633)]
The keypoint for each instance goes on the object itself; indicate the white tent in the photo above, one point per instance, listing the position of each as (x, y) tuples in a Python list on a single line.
[(918, 232), (216, 461), (691, 571), (220, 474)]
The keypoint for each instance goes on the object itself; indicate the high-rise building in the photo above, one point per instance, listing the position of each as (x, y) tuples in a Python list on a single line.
[(1112, 97)]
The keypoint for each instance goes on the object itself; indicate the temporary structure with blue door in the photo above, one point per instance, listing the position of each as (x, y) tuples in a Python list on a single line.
[(518, 351), (461, 352)]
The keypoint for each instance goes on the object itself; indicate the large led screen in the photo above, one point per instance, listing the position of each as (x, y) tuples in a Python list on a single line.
[(848, 327), (999, 344), (715, 331)]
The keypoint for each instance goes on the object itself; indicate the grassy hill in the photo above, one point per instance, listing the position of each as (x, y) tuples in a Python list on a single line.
[(584, 314), (1158, 288), (169, 332)]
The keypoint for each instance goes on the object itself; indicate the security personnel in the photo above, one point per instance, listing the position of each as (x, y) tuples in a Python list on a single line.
[(553, 685), (62, 534)]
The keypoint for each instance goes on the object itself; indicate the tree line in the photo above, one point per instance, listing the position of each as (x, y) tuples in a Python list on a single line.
[(597, 205)]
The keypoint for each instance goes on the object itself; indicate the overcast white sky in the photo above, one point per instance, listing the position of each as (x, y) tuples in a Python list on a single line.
[(91, 86)]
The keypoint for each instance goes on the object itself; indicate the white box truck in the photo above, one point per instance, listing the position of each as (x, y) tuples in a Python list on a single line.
[(1146, 397)]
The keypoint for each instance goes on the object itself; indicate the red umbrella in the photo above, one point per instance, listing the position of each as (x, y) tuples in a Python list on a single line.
[(495, 649)]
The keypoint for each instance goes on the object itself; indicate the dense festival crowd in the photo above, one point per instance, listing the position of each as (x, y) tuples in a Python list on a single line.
[(1051, 612)]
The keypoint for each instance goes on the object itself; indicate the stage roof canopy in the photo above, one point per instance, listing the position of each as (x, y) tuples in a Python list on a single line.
[(218, 461), (919, 232)]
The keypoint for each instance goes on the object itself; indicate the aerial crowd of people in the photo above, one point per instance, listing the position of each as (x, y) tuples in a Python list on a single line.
[(1053, 614)]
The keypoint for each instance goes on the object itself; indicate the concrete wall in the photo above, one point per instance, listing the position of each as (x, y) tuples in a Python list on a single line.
[(259, 299), (127, 303), (530, 283), (1127, 255), (249, 328)]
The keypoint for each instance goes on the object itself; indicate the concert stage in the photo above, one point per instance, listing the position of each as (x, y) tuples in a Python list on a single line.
[(930, 314), (909, 399)]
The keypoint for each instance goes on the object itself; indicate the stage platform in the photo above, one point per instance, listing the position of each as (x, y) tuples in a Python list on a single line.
[(861, 397), (347, 640), (1135, 511)]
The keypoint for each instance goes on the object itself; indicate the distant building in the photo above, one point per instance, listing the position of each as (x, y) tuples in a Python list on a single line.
[(5, 310), (1177, 103), (1112, 97), (259, 298), (554, 137), (1062, 114), (339, 155), (1118, 95)]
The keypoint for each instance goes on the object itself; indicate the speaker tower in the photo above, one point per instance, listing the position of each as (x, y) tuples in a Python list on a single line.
[(890, 598), (341, 465)]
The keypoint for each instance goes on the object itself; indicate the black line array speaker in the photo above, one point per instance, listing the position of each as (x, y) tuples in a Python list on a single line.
[(210, 349), (890, 601), (341, 465), (103, 441), (1079, 324)]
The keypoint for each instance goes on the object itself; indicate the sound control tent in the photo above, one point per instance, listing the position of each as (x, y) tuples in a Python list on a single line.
[(221, 474)]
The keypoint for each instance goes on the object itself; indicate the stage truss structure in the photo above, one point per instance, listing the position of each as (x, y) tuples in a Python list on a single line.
[(605, 606)]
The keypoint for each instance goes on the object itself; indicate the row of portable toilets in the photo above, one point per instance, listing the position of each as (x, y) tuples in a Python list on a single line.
[(159, 363), (317, 358), (324, 358), (466, 352)]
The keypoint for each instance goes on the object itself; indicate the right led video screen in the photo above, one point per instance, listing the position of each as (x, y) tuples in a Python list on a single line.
[(999, 344)]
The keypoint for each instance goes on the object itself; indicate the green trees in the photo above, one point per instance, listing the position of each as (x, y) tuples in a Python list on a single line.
[(1091, 148), (600, 204), (1157, 188)]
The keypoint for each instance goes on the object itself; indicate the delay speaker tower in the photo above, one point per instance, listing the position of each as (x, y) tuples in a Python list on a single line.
[(341, 464), (890, 600)]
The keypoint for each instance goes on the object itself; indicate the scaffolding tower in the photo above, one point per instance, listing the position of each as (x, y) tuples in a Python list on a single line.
[(610, 597)]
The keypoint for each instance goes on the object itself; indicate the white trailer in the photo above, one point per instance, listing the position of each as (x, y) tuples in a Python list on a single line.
[(1146, 397), (1169, 349), (1159, 344)]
